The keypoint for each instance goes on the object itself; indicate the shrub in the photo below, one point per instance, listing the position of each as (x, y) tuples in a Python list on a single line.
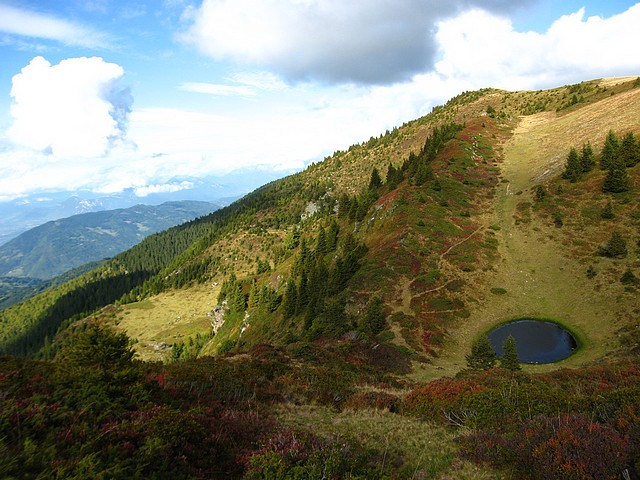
[(564, 447), (443, 400), (616, 247), (295, 455), (375, 400)]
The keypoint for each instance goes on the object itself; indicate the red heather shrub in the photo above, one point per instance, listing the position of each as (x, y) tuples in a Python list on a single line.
[(569, 447), (437, 399), (295, 455), (376, 400)]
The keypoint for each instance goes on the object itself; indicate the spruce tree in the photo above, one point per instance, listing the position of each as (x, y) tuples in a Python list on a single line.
[(629, 151), (321, 243), (375, 182), (616, 247), (482, 356), (290, 302), (510, 359), (573, 167), (617, 179), (607, 211), (373, 320), (609, 151), (587, 159)]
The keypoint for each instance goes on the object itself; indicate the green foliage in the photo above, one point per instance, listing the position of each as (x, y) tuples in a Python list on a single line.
[(540, 193), (417, 167), (491, 112), (373, 321), (509, 359), (607, 211), (629, 151), (629, 278), (609, 152), (375, 182), (617, 179), (587, 158), (616, 246), (95, 366), (573, 167), (482, 355), (290, 455), (190, 349)]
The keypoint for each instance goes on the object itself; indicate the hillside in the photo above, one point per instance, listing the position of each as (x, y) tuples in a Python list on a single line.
[(340, 305), (55, 247)]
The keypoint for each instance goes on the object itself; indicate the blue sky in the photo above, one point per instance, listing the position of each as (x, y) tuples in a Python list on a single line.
[(113, 95)]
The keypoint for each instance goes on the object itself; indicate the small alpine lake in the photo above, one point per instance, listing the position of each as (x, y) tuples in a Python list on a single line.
[(537, 341)]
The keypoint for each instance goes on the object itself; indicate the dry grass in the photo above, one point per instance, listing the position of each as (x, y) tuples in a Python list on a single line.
[(169, 317), (540, 277), (415, 449)]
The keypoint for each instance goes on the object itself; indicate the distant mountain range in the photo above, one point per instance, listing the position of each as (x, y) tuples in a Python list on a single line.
[(21, 214), (58, 246)]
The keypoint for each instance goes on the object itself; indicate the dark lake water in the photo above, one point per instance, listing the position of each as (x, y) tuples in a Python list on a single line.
[(537, 341)]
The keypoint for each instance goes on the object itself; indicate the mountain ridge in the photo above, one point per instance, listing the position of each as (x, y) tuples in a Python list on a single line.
[(94, 236), (437, 215)]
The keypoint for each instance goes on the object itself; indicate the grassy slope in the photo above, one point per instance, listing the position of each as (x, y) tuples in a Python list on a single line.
[(541, 277)]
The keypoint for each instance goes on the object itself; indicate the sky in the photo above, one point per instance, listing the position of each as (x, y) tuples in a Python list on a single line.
[(145, 96)]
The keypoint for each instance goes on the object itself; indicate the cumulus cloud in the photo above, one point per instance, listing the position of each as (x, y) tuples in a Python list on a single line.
[(218, 89), (284, 126), (74, 109), (163, 188), (329, 40), (16, 21), (480, 48)]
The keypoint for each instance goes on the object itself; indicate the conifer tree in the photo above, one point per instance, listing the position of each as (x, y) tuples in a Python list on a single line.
[(332, 236), (607, 211), (290, 302), (617, 179), (254, 295), (629, 151), (373, 320), (375, 182), (628, 278), (510, 359), (616, 247), (573, 167), (587, 159), (344, 206), (394, 176), (609, 151), (321, 243), (482, 356)]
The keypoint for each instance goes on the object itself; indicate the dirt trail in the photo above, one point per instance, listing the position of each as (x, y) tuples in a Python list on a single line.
[(539, 280)]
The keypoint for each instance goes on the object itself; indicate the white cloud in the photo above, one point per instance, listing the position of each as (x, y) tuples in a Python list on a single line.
[(75, 108), (218, 89), (164, 188), (16, 21), (330, 40), (283, 127), (482, 49)]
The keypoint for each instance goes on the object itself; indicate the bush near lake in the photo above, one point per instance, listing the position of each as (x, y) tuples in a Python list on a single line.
[(570, 424)]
